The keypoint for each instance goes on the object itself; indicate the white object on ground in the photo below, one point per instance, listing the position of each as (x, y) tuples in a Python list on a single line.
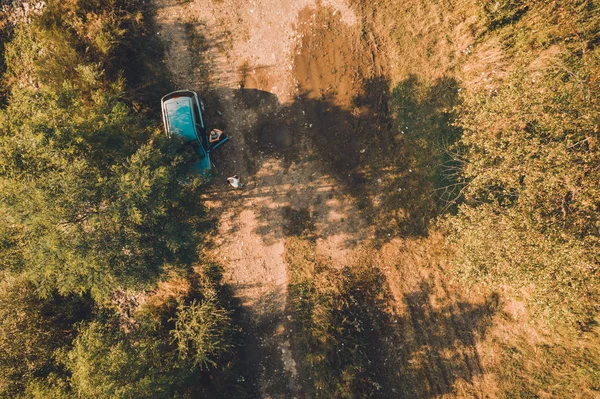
[(234, 181)]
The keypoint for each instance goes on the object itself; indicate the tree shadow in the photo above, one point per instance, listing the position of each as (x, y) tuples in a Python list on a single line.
[(142, 62), (389, 154), (439, 343), (383, 148), (390, 158), (383, 151), (349, 341), (265, 350)]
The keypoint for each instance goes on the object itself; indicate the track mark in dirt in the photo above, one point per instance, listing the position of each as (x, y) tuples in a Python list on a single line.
[(330, 73)]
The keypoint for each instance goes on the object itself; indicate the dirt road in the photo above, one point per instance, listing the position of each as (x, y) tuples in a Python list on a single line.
[(276, 76)]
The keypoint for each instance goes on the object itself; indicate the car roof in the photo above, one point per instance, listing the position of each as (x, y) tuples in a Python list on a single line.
[(179, 117)]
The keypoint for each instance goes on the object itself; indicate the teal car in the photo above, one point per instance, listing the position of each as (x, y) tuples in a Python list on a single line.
[(182, 116)]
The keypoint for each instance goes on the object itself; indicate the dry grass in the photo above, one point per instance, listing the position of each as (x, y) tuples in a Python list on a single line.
[(168, 291), (424, 38), (421, 335), (442, 324), (455, 341)]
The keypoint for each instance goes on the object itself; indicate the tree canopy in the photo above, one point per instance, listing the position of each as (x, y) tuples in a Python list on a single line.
[(95, 201)]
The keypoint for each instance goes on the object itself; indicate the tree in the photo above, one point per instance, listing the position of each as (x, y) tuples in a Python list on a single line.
[(83, 211), (95, 200), (107, 363), (31, 331), (88, 201)]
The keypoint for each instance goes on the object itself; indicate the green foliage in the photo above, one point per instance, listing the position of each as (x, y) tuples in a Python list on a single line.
[(200, 333), (337, 318), (180, 349), (75, 41), (96, 211), (31, 330), (530, 152), (86, 32), (85, 206), (93, 201), (51, 387), (423, 112), (105, 362)]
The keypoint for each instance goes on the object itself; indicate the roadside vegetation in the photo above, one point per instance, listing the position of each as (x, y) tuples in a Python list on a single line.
[(340, 320), (102, 292)]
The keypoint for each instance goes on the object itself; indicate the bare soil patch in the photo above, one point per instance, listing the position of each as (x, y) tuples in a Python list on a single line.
[(247, 60), (301, 89)]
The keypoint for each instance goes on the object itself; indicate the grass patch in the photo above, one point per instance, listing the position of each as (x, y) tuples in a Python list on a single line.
[(506, 70), (339, 318)]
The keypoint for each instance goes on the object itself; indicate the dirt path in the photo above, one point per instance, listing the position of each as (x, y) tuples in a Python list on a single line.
[(276, 76)]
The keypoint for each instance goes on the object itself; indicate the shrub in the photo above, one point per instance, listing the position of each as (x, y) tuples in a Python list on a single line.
[(338, 316)]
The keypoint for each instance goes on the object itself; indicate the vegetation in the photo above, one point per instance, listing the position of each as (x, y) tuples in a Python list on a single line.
[(339, 317), (32, 329), (490, 122), (169, 351), (529, 161), (502, 96), (94, 216)]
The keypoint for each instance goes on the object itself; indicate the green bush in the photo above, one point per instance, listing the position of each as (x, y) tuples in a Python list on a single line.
[(31, 330), (97, 210), (90, 193), (107, 363), (200, 331), (338, 317), (183, 348)]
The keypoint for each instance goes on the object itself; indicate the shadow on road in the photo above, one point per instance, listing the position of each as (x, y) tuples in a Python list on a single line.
[(388, 160)]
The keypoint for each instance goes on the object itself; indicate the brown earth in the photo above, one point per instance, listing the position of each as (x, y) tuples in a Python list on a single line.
[(276, 76), (300, 88)]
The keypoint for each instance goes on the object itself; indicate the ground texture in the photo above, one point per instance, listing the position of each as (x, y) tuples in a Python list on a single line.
[(275, 76), (300, 88)]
